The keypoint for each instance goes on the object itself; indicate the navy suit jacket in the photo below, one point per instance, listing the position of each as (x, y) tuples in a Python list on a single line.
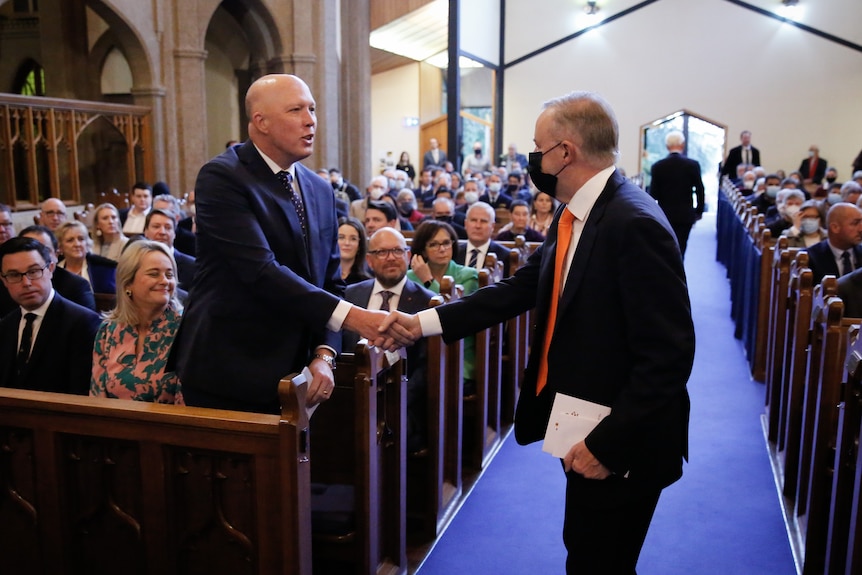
[(674, 179), (61, 359), (186, 268), (822, 261), (501, 252), (103, 273), (260, 301), (74, 288), (624, 338)]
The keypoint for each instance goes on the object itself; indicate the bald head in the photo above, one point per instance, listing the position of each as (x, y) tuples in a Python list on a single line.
[(281, 118), (53, 213), (844, 222)]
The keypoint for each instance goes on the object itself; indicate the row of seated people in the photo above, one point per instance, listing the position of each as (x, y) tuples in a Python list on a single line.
[(87, 259), (476, 236)]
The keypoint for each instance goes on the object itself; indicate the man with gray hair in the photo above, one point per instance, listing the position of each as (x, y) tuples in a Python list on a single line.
[(850, 192), (674, 180), (480, 227), (613, 327)]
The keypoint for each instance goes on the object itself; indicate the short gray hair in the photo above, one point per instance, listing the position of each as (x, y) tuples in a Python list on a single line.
[(589, 120), (674, 139), (492, 213)]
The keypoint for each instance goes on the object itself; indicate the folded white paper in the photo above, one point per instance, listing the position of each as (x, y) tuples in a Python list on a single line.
[(572, 419), (305, 378)]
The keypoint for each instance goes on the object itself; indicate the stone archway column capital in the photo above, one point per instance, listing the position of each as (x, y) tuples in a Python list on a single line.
[(190, 54), (149, 91)]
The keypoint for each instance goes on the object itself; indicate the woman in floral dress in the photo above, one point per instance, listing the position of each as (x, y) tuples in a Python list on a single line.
[(134, 341)]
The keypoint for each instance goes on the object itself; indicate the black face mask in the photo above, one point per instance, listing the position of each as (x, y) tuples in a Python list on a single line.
[(512, 188), (831, 180), (477, 151), (546, 183), (447, 219)]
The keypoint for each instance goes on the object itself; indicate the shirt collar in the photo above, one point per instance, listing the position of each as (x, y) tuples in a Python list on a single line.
[(396, 289), (585, 198), (275, 167), (483, 248)]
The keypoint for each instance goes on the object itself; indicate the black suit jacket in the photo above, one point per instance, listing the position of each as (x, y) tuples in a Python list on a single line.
[(819, 169), (103, 273), (503, 200), (674, 179), (74, 288), (734, 158), (624, 338), (501, 252), (62, 356), (850, 292), (260, 301), (185, 240), (822, 261)]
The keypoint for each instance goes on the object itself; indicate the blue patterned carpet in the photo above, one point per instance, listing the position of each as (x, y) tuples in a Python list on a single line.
[(723, 517)]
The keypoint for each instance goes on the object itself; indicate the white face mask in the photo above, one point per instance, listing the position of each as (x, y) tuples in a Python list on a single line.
[(791, 211), (375, 194), (471, 197), (810, 225), (748, 184), (495, 186)]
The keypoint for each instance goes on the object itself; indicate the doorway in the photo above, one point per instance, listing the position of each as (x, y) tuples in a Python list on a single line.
[(704, 142)]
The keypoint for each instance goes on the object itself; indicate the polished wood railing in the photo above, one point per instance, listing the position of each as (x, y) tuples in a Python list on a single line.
[(70, 149)]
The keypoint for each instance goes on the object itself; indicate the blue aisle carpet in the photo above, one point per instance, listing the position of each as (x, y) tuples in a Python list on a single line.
[(723, 517)]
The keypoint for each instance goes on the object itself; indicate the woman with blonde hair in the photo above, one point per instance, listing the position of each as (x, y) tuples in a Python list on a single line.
[(75, 245), (108, 237), (132, 345)]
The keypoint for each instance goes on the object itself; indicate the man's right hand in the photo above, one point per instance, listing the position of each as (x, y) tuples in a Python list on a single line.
[(367, 324), (401, 326)]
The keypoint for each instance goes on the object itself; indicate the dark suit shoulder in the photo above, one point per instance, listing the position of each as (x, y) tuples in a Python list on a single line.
[(97, 260)]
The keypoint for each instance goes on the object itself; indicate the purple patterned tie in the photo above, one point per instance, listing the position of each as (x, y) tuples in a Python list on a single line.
[(286, 180)]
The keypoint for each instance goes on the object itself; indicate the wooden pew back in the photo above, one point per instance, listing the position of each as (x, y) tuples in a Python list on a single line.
[(115, 486)]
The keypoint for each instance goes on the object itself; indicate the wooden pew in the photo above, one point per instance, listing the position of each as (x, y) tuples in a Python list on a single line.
[(853, 558), (359, 474), (823, 293), (802, 296), (98, 486), (433, 485), (846, 461), (824, 395), (777, 334), (482, 433)]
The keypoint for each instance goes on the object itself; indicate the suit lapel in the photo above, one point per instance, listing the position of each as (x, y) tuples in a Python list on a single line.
[(50, 325), (272, 189)]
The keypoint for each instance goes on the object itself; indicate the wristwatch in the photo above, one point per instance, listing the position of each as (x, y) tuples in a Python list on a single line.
[(428, 283), (327, 358)]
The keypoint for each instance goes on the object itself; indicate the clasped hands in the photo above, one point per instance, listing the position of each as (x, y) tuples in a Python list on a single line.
[(389, 331)]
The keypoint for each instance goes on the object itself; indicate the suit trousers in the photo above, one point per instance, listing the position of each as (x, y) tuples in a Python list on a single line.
[(682, 231), (605, 540)]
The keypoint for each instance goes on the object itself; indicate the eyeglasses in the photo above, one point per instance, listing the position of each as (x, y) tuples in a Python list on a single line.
[(7, 224), (14, 277), (55, 213), (383, 254), (445, 244)]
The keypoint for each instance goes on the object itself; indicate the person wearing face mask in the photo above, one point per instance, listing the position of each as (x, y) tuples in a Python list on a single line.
[(766, 200), (613, 326), (494, 195), (375, 190), (807, 228), (813, 168), (675, 181), (477, 162), (780, 216), (406, 203), (343, 189), (746, 183)]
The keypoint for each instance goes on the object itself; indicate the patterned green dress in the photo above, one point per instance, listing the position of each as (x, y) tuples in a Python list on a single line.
[(120, 373)]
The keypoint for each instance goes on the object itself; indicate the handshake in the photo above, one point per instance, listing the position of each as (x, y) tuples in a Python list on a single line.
[(388, 331)]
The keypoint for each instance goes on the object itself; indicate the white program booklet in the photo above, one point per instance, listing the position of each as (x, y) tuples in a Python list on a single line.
[(305, 378), (572, 419)]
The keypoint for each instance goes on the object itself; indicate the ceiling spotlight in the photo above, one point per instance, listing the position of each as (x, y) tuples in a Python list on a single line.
[(591, 9)]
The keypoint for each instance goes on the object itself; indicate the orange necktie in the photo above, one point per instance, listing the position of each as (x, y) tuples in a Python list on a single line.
[(564, 238)]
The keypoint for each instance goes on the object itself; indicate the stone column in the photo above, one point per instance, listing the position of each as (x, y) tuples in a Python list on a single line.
[(355, 129), (154, 98), (190, 114)]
